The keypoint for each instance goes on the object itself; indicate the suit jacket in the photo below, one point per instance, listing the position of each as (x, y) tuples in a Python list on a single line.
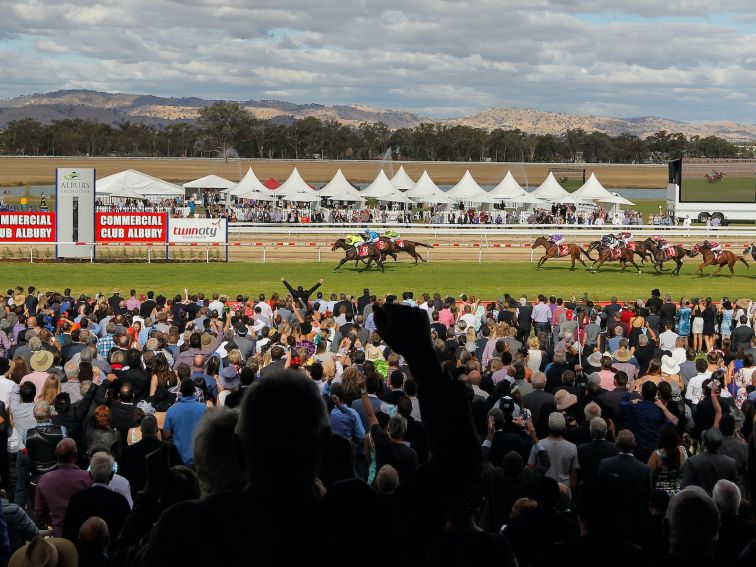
[(525, 316), (741, 337), (245, 346), (139, 380), (590, 456), (97, 500), (132, 464), (535, 400), (705, 469), (635, 478), (68, 351), (272, 368)]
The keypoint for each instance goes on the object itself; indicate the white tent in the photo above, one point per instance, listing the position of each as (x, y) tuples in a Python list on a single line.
[(508, 188), (339, 186), (436, 199), (550, 189), (248, 183), (126, 193), (616, 199), (379, 187), (592, 189), (401, 180), (467, 189), (139, 182), (302, 197), (209, 182), (527, 198), (345, 197), (294, 184), (424, 188), (254, 195), (395, 196)]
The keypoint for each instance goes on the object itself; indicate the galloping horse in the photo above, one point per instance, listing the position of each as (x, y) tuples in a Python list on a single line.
[(640, 249), (400, 245), (553, 251), (366, 253), (750, 249), (726, 258), (623, 255), (660, 256)]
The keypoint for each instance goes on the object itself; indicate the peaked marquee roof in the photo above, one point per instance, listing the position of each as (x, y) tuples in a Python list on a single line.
[(401, 180), (210, 182), (137, 181), (550, 189)]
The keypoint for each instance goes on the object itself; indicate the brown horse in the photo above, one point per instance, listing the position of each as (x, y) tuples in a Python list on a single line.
[(553, 251), (660, 256), (606, 254), (367, 253), (641, 250), (400, 245), (726, 258)]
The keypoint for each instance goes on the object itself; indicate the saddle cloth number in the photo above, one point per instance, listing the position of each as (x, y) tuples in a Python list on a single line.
[(399, 243), (616, 253), (363, 250), (631, 246), (380, 245), (564, 249), (670, 252)]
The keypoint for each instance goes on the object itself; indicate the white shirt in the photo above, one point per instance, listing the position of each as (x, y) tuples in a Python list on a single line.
[(428, 309), (120, 485), (667, 340), (216, 305), (6, 385), (695, 388), (541, 313), (469, 320), (265, 310)]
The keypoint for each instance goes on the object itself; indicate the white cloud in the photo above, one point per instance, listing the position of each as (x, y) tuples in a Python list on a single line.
[(686, 59)]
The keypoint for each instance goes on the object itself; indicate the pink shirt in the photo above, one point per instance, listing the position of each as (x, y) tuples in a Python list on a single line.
[(133, 303), (607, 379), (445, 316), (38, 379)]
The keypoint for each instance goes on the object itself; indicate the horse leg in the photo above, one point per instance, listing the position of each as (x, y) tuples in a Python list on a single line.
[(634, 264), (342, 263), (679, 263), (601, 262), (579, 259), (541, 262), (572, 268), (719, 269)]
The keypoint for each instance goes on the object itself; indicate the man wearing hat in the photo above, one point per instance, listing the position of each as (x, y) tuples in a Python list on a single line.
[(243, 342), (230, 381), (625, 361), (40, 361), (562, 454), (46, 552)]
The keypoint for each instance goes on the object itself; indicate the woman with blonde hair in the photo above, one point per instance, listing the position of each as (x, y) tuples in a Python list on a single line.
[(535, 354), (50, 389)]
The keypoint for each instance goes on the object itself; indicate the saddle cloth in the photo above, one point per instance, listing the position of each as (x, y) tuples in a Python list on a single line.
[(399, 243), (564, 250), (670, 252), (380, 245), (363, 250), (616, 253)]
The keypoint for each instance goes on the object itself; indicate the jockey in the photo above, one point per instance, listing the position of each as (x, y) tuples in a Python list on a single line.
[(354, 240), (660, 242), (392, 235), (557, 239), (610, 240), (369, 236), (715, 247), (626, 236)]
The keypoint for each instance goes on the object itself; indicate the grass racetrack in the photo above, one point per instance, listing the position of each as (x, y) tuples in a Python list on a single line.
[(487, 280), (729, 189)]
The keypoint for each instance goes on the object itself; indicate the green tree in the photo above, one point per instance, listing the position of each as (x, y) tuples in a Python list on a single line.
[(223, 125)]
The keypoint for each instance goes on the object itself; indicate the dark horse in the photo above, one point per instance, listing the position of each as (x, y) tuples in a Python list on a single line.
[(400, 245), (553, 251), (606, 254), (660, 256), (750, 249), (353, 254), (726, 258), (641, 250)]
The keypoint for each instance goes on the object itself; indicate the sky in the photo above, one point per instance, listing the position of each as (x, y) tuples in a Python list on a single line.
[(688, 60)]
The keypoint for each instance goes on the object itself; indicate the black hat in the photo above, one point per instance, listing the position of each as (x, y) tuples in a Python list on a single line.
[(507, 404), (241, 330), (4, 365), (655, 292)]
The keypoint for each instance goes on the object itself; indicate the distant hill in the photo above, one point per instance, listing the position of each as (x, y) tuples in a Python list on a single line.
[(114, 108)]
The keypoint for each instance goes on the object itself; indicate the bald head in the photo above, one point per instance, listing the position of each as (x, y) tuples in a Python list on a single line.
[(538, 380), (65, 451), (198, 361), (94, 535)]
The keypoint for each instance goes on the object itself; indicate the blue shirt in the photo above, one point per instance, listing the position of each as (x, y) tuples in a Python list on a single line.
[(346, 422), (182, 420), (644, 420), (210, 384)]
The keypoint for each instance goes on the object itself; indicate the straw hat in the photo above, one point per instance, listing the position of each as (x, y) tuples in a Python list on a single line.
[(41, 552), (207, 338), (594, 360), (373, 353), (669, 365), (116, 290), (564, 399), (623, 354), (742, 303), (41, 360)]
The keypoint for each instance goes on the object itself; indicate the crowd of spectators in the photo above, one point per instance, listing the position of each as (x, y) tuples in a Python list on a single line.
[(311, 426)]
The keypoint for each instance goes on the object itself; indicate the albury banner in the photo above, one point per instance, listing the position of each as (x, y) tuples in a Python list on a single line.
[(201, 231), (27, 227), (141, 228)]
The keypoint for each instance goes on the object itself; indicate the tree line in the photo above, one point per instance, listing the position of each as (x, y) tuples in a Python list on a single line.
[(225, 129)]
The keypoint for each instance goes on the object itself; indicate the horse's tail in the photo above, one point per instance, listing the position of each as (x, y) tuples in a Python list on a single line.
[(422, 244), (744, 261), (585, 252)]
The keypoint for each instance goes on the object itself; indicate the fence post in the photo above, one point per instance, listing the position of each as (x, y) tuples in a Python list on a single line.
[(91, 253), (480, 254), (264, 255), (531, 253), (31, 254), (318, 253), (207, 254), (427, 254)]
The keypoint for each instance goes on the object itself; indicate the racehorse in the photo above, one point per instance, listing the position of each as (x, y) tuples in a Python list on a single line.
[(622, 254), (726, 258), (750, 249), (365, 252), (660, 256), (553, 251), (400, 245), (640, 249)]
